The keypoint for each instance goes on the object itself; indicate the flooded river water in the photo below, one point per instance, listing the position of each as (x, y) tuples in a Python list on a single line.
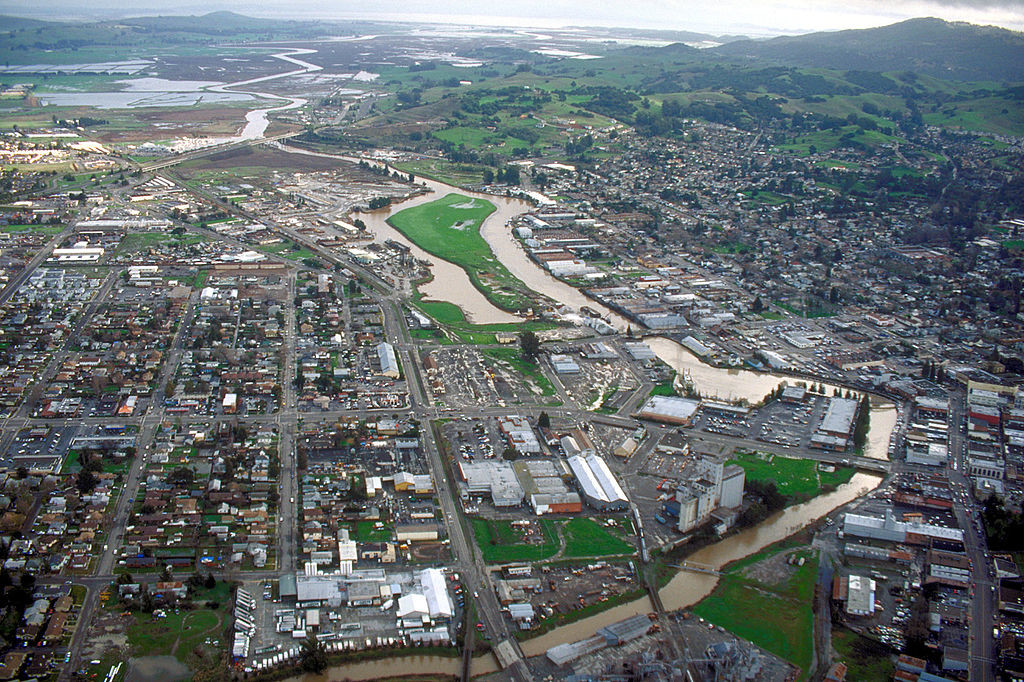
[(450, 282), (686, 588), (400, 666)]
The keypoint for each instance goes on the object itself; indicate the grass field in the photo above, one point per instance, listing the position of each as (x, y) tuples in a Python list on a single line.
[(501, 542), (182, 633), (289, 250), (451, 316), (827, 140), (865, 658), (459, 174), (794, 477), (664, 388), (585, 538), (449, 228), (774, 615), (34, 229), (139, 241), (364, 531)]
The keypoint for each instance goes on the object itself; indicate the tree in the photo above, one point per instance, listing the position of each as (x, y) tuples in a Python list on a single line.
[(860, 431), (530, 345), (544, 421), (182, 476), (85, 482), (313, 655)]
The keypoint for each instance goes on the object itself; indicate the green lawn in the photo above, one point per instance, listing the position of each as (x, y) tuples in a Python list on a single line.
[(501, 542), (449, 228), (799, 478), (776, 616), (865, 659), (585, 537), (289, 250), (664, 388), (183, 634), (365, 532), (36, 229)]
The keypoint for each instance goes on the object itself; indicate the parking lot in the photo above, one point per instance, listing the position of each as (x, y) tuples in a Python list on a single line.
[(777, 422), (39, 448)]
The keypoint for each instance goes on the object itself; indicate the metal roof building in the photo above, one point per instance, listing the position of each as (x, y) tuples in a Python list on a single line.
[(860, 597), (497, 479), (388, 361), (838, 419), (564, 364), (435, 589), (597, 482), (625, 630), (670, 410)]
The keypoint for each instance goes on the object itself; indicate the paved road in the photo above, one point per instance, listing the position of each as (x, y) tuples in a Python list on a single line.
[(37, 260), (982, 616)]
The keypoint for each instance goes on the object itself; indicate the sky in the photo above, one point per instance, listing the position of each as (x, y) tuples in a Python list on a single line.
[(720, 17)]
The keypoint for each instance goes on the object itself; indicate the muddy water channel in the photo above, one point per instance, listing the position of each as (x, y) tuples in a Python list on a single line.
[(450, 282), (685, 588), (399, 666)]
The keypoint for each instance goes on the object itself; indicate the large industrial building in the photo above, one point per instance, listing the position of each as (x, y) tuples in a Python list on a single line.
[(669, 410), (837, 424), (713, 487), (494, 478), (887, 528), (857, 592), (600, 489), (544, 487), (838, 419)]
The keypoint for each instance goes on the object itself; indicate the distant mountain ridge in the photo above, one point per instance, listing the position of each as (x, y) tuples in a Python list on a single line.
[(928, 46)]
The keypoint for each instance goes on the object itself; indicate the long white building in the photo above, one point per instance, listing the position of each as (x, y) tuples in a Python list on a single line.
[(600, 489)]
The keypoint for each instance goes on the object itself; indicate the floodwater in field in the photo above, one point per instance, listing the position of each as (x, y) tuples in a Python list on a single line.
[(497, 232), (139, 99)]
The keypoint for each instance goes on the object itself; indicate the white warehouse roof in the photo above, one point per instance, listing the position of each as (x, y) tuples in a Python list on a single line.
[(597, 480), (436, 591)]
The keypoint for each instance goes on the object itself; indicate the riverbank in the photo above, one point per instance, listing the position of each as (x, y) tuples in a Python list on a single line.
[(449, 228)]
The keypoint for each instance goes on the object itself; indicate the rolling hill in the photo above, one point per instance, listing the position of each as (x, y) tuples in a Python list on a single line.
[(934, 47)]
